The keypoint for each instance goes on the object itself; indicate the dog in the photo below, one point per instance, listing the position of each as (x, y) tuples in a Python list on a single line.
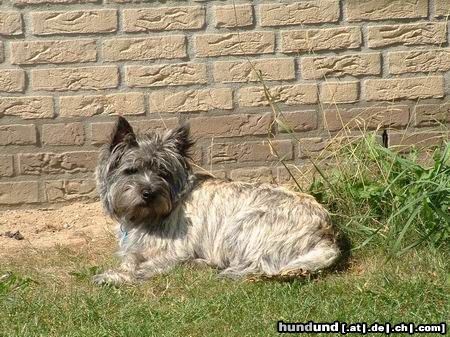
[(167, 215)]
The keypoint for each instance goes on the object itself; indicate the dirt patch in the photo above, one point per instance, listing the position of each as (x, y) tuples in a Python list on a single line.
[(78, 224)]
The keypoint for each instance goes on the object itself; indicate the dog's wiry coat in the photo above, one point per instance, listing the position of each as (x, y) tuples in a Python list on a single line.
[(172, 215)]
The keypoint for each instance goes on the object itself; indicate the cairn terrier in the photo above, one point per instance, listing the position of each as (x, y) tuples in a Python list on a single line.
[(167, 214)]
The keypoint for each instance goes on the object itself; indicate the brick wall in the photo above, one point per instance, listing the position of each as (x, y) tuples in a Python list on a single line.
[(68, 67)]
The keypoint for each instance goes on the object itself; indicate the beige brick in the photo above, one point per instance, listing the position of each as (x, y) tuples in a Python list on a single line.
[(245, 43), (294, 41), (297, 121), (10, 23), (163, 18), (311, 147), (224, 153), (417, 61), (63, 134), (6, 165), (101, 132), (57, 163), (70, 190), (74, 22), (249, 71), (2, 54), (59, 2), (287, 94), (73, 79), (220, 174), (17, 134), (253, 174), (324, 148), (53, 51), (336, 66), (405, 142), (12, 80), (442, 8), (432, 114), (407, 34), (339, 92), (130, 103), (404, 88), (391, 116), (231, 16), (191, 100), (230, 125), (30, 107), (165, 74), (303, 175), (197, 155), (309, 11), (386, 9), (151, 48), (154, 125), (20, 192)]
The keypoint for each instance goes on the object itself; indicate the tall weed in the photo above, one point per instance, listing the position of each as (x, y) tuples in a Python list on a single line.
[(387, 198)]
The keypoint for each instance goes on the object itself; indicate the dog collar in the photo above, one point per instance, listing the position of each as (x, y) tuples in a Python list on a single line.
[(124, 235)]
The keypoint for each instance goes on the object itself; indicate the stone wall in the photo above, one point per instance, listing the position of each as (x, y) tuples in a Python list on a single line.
[(68, 67)]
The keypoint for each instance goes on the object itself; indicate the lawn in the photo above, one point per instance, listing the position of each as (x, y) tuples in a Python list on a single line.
[(50, 294)]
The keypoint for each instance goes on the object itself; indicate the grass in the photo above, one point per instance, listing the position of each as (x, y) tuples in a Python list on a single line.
[(387, 199), (53, 296)]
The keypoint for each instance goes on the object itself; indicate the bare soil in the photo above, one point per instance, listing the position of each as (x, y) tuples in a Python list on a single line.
[(75, 225)]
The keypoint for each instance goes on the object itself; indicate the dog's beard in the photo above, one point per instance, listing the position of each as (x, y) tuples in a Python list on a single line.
[(129, 205)]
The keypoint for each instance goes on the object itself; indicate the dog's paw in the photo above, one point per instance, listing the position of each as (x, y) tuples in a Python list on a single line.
[(111, 278)]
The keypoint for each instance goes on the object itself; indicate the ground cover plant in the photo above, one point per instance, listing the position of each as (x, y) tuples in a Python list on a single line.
[(390, 198)]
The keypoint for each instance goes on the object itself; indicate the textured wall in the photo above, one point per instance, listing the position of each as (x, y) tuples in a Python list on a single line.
[(67, 67)]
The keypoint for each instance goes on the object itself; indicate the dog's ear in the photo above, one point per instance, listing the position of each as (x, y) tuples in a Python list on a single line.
[(123, 132), (180, 139)]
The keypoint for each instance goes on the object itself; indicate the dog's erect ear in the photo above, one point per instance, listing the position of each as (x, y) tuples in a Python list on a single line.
[(180, 139), (123, 132)]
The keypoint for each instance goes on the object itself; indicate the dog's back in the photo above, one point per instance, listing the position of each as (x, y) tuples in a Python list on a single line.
[(259, 228)]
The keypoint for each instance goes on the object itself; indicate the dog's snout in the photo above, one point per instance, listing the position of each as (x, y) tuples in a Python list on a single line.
[(147, 194)]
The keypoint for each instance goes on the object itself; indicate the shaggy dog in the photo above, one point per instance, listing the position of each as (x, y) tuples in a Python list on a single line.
[(167, 215)]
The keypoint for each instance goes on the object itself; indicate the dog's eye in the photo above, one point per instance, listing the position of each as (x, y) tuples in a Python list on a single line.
[(130, 170)]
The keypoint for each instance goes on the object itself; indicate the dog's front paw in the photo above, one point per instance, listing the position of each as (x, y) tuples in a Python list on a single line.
[(112, 278)]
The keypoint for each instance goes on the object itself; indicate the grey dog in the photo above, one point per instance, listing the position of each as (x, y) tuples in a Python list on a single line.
[(167, 214)]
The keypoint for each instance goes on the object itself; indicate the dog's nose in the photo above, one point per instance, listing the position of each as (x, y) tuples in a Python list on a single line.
[(146, 194)]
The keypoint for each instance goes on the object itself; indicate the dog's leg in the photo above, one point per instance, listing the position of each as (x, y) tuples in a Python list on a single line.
[(320, 257), (113, 277), (156, 265), (124, 274), (239, 271)]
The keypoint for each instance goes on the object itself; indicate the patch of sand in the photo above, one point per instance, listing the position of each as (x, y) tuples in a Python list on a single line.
[(77, 224)]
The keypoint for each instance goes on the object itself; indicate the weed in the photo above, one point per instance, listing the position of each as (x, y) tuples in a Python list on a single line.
[(378, 193)]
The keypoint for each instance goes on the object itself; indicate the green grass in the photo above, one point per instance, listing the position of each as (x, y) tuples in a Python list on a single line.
[(387, 199), (53, 296)]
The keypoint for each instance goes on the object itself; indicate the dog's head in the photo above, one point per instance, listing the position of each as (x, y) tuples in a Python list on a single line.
[(141, 177)]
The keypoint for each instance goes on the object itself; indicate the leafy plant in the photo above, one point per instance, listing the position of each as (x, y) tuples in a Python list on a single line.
[(376, 193)]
